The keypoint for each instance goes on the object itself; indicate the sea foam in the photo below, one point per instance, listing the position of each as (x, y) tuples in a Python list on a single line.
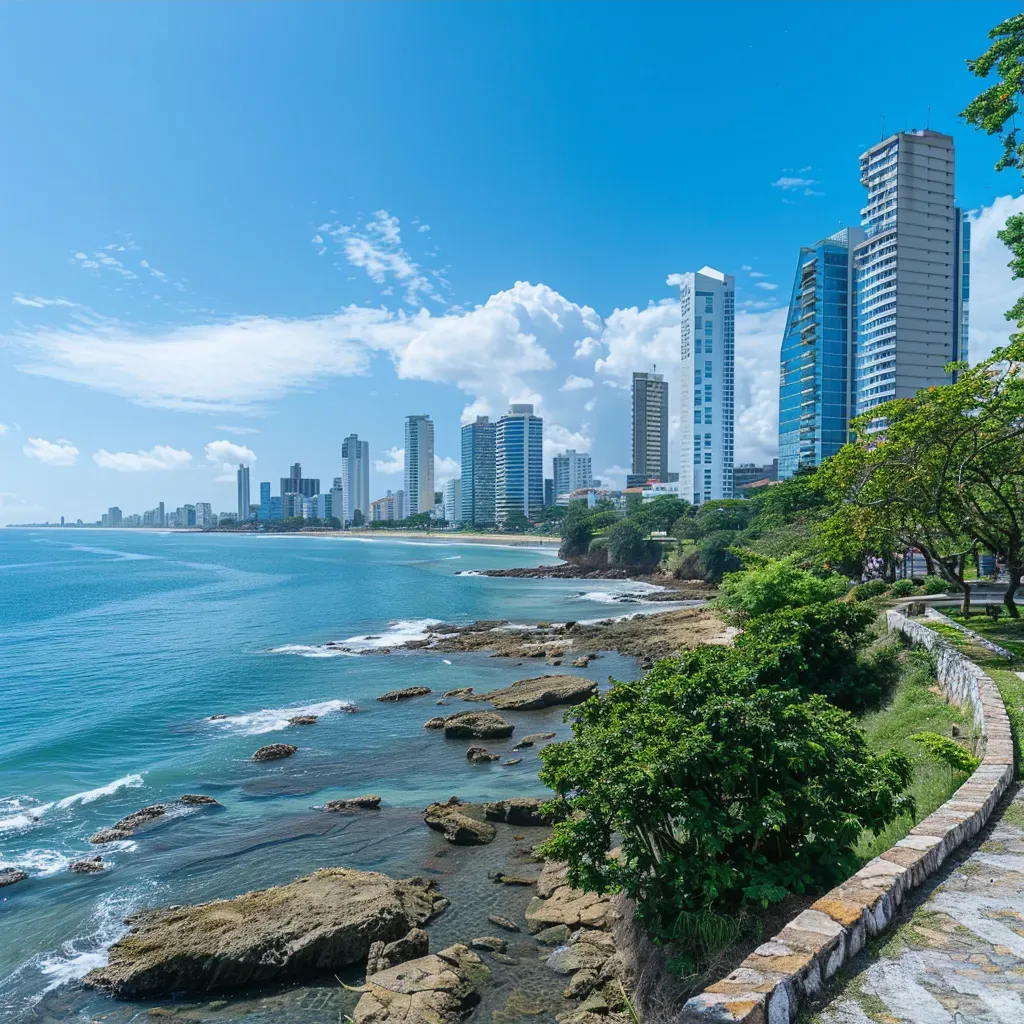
[(396, 634), (22, 812), (255, 723)]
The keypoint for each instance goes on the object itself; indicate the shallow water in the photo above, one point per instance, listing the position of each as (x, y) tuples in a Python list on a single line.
[(116, 649)]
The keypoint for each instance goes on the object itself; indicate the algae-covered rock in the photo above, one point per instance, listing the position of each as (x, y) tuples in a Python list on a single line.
[(477, 725), (539, 692)]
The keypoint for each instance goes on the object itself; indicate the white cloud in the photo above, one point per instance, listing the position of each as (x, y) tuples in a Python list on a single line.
[(789, 183), (158, 274), (993, 291), (4, 428), (746, 266), (614, 477), (445, 468), (393, 461), (558, 438), (674, 280), (159, 457), (758, 341), (766, 285), (52, 453), (423, 227), (238, 431), (38, 302), (590, 406), (229, 454), (755, 273), (574, 383), (637, 339)]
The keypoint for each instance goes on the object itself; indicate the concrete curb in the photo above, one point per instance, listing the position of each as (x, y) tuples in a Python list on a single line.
[(769, 986)]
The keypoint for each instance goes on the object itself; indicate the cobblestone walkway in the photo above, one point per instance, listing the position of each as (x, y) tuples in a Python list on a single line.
[(960, 957)]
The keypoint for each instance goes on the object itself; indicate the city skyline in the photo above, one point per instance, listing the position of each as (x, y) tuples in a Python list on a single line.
[(157, 333)]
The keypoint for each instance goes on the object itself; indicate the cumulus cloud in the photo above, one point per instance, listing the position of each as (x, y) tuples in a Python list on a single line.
[(229, 453), (445, 468), (674, 280), (574, 383), (558, 439), (51, 453), (159, 457), (614, 477), (393, 461), (993, 291)]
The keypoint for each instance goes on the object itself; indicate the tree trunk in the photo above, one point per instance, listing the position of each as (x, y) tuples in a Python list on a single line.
[(1014, 572), (965, 607), (929, 563)]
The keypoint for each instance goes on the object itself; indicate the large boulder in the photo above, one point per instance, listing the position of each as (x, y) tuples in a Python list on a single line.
[(8, 876), (457, 826), (539, 692), (477, 725), (274, 751), (409, 691), (370, 802), (313, 926), (127, 825), (520, 810), (385, 955), (556, 903), (435, 989)]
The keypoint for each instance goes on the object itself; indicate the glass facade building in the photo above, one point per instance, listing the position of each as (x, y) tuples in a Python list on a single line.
[(817, 353), (419, 464), (478, 439), (518, 463)]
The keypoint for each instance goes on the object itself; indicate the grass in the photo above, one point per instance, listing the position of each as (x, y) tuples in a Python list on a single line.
[(1008, 633), (912, 708)]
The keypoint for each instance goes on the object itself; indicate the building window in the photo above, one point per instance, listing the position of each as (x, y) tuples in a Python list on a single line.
[(707, 417)]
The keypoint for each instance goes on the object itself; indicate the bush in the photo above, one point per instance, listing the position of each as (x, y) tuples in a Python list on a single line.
[(715, 557), (872, 588), (627, 544), (724, 794), (935, 585), (902, 588), (776, 584), (947, 751), (821, 649)]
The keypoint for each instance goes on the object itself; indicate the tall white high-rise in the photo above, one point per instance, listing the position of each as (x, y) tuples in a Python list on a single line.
[(453, 500), (243, 493), (419, 464), (913, 269), (519, 463), (571, 471), (338, 500), (707, 336), (355, 478)]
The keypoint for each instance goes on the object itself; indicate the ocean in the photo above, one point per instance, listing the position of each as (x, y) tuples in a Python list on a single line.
[(117, 647)]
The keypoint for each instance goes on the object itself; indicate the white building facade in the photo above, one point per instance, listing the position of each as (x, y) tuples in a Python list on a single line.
[(419, 464), (243, 493), (913, 269), (453, 500), (519, 463), (571, 471), (707, 336), (355, 479)]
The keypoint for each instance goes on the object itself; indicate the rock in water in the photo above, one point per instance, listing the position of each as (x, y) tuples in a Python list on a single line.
[(409, 947), (539, 692), (513, 762), (434, 723), (489, 943), (89, 866), (480, 755), (506, 923), (520, 810), (354, 803), (8, 876), (303, 720), (273, 751), (409, 691), (462, 691), (477, 725), (197, 800), (127, 825), (458, 827), (315, 925), (435, 989), (533, 738)]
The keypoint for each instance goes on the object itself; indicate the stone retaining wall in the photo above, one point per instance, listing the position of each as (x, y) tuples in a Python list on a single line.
[(769, 986), (931, 612)]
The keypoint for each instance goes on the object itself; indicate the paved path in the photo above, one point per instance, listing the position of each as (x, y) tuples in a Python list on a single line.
[(960, 957)]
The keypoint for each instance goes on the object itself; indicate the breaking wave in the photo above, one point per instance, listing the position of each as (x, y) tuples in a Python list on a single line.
[(255, 723)]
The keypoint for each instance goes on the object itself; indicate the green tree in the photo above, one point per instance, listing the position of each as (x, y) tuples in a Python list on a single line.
[(724, 794), (577, 531), (725, 514), (358, 518), (516, 522), (627, 543), (663, 511), (776, 584), (716, 556)]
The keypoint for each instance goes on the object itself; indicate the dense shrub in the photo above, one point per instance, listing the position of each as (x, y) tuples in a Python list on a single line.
[(935, 585), (872, 588), (822, 649), (715, 557), (723, 793), (776, 584), (627, 544), (902, 588)]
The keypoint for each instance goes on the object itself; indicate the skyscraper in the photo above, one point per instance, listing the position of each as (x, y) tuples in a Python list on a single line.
[(478, 472), (453, 500), (519, 463), (816, 364), (913, 269), (296, 483), (650, 429), (572, 471), (204, 514), (419, 464), (355, 478), (243, 493), (338, 500), (264, 513), (707, 301), (113, 516)]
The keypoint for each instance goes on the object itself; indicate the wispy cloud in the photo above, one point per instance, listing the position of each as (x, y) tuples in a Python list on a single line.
[(445, 467), (393, 461), (574, 383), (791, 183), (51, 453), (757, 273), (238, 431), (38, 302), (158, 274), (160, 457), (766, 285)]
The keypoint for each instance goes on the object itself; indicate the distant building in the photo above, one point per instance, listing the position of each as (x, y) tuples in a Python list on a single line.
[(572, 471), (478, 472), (113, 516), (227, 518), (132, 520), (519, 463), (746, 473), (296, 483), (355, 478), (913, 269), (324, 506), (389, 508), (419, 463), (243, 492), (264, 513), (189, 515), (276, 508), (338, 501), (204, 514), (650, 428), (549, 491), (291, 505), (707, 302), (453, 500)]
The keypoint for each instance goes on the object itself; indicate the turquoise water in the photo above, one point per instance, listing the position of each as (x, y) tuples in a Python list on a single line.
[(117, 647)]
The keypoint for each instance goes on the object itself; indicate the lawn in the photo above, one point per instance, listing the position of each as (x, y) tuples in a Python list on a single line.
[(913, 707)]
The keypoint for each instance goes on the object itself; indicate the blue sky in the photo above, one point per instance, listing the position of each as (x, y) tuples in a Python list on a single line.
[(267, 226)]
